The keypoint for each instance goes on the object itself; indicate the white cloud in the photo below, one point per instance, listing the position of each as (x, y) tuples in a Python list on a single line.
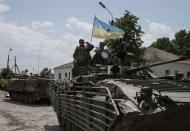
[(148, 39), (27, 42), (42, 24), (74, 24), (159, 28), (4, 8), (156, 30), (1, 19)]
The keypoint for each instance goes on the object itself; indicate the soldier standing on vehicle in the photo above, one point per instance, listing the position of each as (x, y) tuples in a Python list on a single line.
[(89, 47), (81, 56)]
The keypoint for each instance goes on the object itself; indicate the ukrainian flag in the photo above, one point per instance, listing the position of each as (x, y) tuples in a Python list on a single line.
[(106, 31)]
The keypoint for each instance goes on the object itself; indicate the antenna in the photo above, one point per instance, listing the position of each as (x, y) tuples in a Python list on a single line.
[(38, 61)]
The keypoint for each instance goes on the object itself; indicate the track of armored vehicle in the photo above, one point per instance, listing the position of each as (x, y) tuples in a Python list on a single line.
[(102, 102), (28, 90)]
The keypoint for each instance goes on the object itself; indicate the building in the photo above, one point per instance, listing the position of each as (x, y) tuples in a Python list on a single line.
[(154, 55), (63, 72)]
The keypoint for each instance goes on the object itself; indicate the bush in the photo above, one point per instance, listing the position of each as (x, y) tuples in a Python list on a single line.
[(3, 85), (6, 73)]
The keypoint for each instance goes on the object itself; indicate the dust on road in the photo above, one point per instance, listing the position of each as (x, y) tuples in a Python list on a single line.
[(22, 117)]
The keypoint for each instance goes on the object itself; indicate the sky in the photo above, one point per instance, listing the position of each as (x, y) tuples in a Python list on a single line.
[(46, 32)]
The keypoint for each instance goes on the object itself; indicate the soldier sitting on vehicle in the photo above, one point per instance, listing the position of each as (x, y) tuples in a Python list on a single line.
[(101, 56), (82, 57)]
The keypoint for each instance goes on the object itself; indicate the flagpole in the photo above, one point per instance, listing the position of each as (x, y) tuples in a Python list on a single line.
[(92, 29)]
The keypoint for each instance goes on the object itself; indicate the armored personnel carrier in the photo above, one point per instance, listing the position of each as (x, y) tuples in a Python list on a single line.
[(28, 89), (116, 98)]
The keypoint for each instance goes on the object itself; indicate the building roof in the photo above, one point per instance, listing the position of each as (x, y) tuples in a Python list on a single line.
[(65, 66), (154, 55)]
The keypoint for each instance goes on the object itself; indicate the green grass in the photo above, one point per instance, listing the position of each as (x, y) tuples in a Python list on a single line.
[(3, 84)]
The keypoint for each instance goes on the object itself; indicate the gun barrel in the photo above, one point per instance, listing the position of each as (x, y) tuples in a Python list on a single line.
[(157, 64)]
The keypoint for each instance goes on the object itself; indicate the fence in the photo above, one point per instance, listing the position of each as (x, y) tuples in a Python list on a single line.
[(84, 106)]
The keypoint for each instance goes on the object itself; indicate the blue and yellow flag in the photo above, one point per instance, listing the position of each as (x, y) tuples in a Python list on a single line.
[(106, 31)]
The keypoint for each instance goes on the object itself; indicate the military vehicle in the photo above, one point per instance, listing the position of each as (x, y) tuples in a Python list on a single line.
[(28, 89), (118, 98)]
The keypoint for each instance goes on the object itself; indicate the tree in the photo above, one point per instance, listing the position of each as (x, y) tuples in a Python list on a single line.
[(180, 45), (133, 32), (165, 44), (179, 41), (6, 73), (187, 45), (45, 72)]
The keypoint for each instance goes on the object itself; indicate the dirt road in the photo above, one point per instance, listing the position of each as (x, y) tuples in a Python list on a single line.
[(21, 117)]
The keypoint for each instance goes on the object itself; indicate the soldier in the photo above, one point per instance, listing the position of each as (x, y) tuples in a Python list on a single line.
[(89, 47), (26, 73), (81, 56), (122, 53), (101, 56), (116, 60)]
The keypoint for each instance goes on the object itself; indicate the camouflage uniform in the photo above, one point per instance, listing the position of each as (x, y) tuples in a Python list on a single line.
[(82, 59), (98, 58)]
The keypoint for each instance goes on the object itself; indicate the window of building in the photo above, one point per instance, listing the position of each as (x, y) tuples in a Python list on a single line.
[(167, 72), (59, 76), (188, 74), (65, 74)]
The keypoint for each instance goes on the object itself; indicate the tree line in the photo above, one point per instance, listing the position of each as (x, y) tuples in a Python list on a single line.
[(180, 45)]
